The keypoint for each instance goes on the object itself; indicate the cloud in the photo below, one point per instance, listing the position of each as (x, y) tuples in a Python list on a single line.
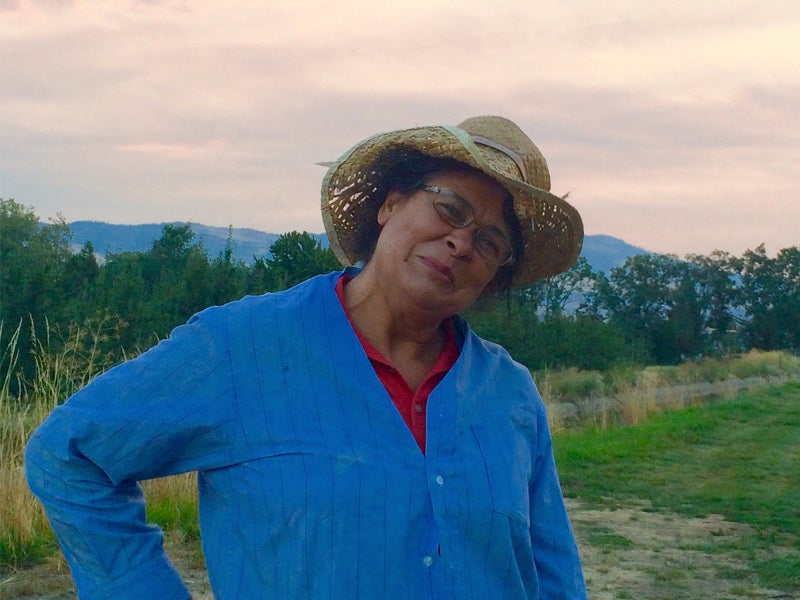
[(656, 117)]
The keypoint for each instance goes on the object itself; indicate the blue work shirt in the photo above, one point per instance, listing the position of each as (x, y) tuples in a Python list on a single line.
[(311, 485)]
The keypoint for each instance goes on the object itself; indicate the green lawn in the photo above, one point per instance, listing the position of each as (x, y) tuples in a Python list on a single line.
[(740, 459)]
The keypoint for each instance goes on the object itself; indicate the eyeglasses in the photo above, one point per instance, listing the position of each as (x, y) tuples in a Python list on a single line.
[(457, 212)]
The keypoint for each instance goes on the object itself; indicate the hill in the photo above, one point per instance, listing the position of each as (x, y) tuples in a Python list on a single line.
[(602, 252), (110, 238)]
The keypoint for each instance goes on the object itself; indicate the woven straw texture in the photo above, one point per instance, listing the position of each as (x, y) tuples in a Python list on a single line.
[(552, 228)]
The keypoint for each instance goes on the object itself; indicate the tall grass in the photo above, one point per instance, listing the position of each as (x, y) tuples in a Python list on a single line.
[(24, 532), (64, 363), (628, 396)]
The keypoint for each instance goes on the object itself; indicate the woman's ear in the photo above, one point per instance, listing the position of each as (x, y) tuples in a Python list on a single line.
[(393, 198)]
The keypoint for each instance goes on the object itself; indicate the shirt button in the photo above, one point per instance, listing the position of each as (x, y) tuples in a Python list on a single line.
[(418, 408), (439, 479), (427, 561)]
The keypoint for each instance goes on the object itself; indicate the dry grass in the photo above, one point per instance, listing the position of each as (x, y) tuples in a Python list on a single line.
[(62, 367), (628, 396), (24, 531)]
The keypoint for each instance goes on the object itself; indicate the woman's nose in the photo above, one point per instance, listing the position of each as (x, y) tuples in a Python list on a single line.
[(461, 241)]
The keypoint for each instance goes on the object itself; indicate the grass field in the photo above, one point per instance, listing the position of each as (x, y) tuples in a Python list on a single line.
[(730, 461), (738, 459)]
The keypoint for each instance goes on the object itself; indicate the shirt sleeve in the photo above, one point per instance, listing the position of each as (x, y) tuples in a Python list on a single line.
[(555, 549), (159, 414)]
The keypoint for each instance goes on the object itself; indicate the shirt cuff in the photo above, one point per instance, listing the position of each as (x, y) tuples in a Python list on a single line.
[(156, 579)]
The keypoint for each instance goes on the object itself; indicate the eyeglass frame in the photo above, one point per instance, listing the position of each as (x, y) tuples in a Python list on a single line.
[(436, 191)]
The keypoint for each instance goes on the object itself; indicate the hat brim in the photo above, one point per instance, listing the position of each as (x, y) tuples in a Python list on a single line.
[(552, 229)]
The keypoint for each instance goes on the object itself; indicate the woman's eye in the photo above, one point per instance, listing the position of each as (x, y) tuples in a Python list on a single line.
[(487, 245), (453, 213)]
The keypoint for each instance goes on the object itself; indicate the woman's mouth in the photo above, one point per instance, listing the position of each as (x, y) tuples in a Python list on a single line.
[(439, 268)]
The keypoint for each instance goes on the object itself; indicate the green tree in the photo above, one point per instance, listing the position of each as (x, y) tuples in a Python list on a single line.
[(177, 281), (652, 300), (32, 260), (549, 297), (296, 257), (32, 265), (154, 291), (78, 283), (120, 290), (770, 297), (715, 277), (259, 277), (556, 341), (683, 331), (560, 288), (228, 275)]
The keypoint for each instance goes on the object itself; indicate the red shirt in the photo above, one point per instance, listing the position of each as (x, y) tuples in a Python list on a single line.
[(412, 405)]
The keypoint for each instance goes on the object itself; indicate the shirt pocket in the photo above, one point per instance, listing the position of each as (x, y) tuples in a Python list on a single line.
[(507, 458)]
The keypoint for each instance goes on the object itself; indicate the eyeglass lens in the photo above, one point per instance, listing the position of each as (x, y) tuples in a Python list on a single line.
[(458, 212)]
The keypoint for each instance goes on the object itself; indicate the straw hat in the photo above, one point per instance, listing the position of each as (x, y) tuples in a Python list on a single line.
[(552, 229)]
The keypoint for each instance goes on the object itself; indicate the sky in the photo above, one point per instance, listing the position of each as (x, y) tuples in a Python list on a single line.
[(674, 126)]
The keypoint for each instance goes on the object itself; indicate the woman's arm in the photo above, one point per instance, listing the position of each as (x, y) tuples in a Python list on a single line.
[(152, 416), (555, 549)]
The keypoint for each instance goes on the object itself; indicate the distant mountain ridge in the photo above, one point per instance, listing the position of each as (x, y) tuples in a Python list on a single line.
[(602, 252), (108, 238)]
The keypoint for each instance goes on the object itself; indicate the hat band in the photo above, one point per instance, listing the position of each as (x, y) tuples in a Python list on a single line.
[(505, 150)]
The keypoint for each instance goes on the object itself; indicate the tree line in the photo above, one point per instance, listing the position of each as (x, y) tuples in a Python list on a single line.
[(654, 309)]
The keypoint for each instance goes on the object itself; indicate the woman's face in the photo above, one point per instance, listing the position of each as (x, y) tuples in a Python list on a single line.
[(433, 263)]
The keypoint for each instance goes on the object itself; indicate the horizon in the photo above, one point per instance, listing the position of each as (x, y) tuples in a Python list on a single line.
[(223, 229), (770, 251)]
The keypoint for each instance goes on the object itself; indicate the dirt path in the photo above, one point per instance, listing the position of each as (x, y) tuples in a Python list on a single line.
[(628, 553), (636, 553)]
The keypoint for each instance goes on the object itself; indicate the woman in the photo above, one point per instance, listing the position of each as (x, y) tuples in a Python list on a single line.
[(353, 438)]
